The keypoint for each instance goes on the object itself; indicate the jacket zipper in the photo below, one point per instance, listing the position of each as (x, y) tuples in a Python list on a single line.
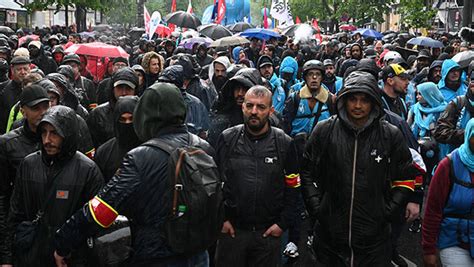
[(352, 199)]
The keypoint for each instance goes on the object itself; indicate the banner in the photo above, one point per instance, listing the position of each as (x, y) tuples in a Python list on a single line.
[(146, 20), (281, 11), (220, 11), (190, 8), (154, 22)]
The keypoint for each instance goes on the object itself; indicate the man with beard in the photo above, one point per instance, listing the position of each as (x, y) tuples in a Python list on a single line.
[(217, 74), (257, 165), (40, 59), (434, 72), (109, 155), (57, 175), (104, 85), (201, 56), (332, 82), (395, 79), (252, 50), (356, 51), (265, 66), (228, 108), (452, 82)]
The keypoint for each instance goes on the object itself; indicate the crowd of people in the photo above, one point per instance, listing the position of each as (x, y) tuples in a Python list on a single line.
[(339, 144)]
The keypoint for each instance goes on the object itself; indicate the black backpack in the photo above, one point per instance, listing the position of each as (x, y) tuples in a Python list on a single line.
[(197, 212)]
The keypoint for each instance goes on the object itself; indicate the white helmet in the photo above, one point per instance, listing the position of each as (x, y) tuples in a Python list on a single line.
[(391, 55)]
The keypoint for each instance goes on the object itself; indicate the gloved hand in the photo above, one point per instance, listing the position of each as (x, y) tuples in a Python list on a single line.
[(291, 250)]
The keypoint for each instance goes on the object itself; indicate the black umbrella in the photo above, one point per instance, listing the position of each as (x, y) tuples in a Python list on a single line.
[(240, 26), (214, 31), (6, 30), (183, 19)]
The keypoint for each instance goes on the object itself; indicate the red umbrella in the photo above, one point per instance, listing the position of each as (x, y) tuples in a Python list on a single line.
[(347, 27), (163, 30), (97, 49), (24, 39)]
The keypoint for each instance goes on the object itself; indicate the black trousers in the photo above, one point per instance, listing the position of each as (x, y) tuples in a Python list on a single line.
[(248, 248)]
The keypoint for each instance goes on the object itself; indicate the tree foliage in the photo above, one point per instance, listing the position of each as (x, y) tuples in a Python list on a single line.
[(415, 14), (359, 11)]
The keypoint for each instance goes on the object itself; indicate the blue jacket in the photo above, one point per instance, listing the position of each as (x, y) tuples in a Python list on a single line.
[(449, 94), (454, 229), (289, 65), (279, 95)]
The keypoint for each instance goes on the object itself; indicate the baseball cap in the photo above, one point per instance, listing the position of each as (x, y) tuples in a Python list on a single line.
[(393, 70), (33, 95), (328, 62), (125, 82), (18, 60), (264, 60)]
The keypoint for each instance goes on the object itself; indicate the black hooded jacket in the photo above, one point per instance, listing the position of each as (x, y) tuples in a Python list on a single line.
[(14, 146), (74, 179), (101, 119), (109, 155), (203, 60), (365, 179), (44, 62), (142, 180), (9, 95)]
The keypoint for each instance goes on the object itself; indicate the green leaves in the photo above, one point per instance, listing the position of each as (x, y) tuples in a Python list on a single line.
[(415, 14)]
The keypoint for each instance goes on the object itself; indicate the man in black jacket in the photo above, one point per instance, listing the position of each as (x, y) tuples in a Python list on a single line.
[(40, 59), (357, 174), (16, 145), (10, 90), (84, 87), (57, 174), (257, 164), (101, 119), (141, 189), (109, 155)]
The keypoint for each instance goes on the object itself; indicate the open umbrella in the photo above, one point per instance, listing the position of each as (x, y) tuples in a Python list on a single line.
[(260, 33), (189, 43), (230, 41), (183, 19), (290, 31), (369, 33), (240, 27), (214, 31), (97, 49), (6, 30), (464, 58), (136, 30), (102, 27), (425, 41), (28, 38), (347, 27)]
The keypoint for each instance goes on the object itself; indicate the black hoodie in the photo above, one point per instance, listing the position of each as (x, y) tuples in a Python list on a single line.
[(101, 119), (109, 155), (73, 179), (359, 173)]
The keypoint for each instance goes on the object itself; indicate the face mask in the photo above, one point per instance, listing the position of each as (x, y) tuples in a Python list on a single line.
[(126, 134)]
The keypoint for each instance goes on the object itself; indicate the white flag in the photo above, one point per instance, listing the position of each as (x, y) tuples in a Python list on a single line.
[(281, 11), (154, 21)]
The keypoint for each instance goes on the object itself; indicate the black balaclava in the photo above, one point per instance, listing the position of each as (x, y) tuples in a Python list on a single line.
[(124, 132)]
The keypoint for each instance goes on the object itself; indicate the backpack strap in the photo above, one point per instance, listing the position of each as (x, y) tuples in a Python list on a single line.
[(161, 144)]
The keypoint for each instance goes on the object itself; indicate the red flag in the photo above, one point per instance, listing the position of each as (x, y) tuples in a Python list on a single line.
[(318, 31), (173, 9), (221, 8), (297, 21), (265, 18), (190, 8), (146, 19)]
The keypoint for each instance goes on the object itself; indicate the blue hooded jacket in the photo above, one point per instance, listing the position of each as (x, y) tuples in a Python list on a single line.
[(289, 65), (449, 94)]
